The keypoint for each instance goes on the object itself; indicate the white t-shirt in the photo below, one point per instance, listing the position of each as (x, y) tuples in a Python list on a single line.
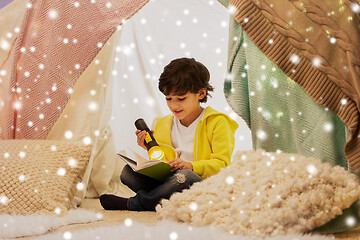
[(183, 138)]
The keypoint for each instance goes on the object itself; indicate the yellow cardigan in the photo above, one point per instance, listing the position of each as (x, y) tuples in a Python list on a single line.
[(213, 141)]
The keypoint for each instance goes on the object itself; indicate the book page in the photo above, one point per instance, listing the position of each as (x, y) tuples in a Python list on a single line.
[(141, 160)]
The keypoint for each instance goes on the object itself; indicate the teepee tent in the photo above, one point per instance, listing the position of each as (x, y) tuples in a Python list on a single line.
[(108, 82)]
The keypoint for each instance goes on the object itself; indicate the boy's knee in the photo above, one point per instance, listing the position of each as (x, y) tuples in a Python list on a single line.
[(124, 174), (186, 176)]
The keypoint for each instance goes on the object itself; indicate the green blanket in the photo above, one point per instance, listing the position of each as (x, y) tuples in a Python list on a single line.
[(279, 113)]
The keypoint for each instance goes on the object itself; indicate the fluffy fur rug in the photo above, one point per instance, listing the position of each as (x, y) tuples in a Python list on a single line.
[(12, 226), (266, 194), (164, 230)]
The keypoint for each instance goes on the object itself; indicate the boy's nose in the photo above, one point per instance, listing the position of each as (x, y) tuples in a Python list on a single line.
[(174, 105)]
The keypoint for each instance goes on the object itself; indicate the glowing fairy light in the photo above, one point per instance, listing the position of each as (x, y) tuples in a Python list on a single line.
[(87, 140), (22, 154), (93, 106), (61, 172), (332, 40), (72, 162), (30, 124), (67, 235), (66, 41), (350, 221), (17, 105), (328, 127), (57, 210), (21, 178), (294, 59), (316, 62), (223, 24), (271, 41), (355, 7), (128, 222), (150, 101), (4, 44), (4, 199), (229, 180), (53, 14), (193, 206), (108, 5), (173, 236), (312, 169), (232, 9), (76, 4), (261, 134), (68, 135), (343, 101), (53, 148), (246, 20), (178, 23), (80, 186)]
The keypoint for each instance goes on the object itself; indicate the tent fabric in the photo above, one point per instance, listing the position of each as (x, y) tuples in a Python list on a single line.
[(277, 110), (87, 115), (317, 50), (57, 41)]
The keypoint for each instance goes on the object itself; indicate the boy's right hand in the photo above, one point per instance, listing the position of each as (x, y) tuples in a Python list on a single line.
[(141, 137)]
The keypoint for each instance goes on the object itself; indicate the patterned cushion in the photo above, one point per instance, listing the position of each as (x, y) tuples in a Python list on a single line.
[(40, 176)]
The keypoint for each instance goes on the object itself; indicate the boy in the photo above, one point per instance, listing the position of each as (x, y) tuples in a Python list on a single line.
[(202, 138)]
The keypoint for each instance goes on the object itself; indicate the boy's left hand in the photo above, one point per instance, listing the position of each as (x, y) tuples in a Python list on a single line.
[(178, 163)]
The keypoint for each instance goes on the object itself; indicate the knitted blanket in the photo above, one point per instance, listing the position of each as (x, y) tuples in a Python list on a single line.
[(317, 45)]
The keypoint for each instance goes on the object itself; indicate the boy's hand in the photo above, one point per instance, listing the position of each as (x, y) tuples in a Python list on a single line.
[(141, 137), (178, 163)]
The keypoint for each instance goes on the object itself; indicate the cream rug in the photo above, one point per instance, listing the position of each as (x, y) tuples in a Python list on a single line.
[(164, 230), (13, 226), (115, 224)]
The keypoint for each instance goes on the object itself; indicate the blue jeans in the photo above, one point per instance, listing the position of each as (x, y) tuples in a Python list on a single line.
[(150, 191)]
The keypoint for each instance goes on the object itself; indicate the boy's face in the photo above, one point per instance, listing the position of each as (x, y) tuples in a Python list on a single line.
[(186, 107)]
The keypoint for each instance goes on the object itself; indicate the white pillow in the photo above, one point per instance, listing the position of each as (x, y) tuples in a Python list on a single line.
[(266, 194)]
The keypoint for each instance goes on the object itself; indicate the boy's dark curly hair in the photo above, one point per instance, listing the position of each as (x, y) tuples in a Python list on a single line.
[(184, 75)]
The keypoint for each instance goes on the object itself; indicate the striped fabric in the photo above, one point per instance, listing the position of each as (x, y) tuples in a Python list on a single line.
[(316, 44), (56, 43)]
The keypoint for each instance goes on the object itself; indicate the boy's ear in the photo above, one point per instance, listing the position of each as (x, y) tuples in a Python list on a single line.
[(202, 93)]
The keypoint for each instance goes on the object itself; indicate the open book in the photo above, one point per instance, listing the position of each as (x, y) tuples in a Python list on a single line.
[(156, 169)]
